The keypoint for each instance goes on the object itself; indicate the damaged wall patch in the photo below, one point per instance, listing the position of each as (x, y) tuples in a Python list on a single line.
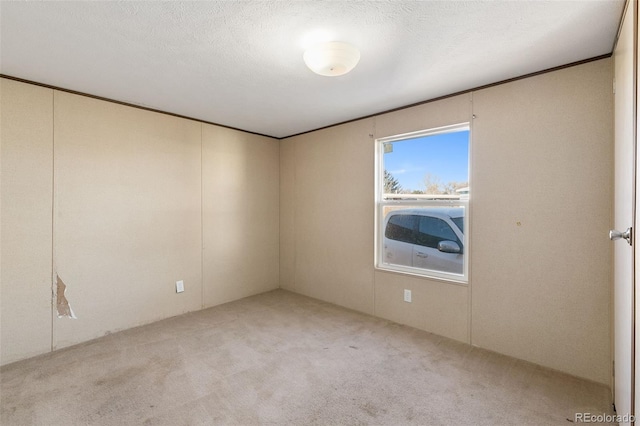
[(64, 309)]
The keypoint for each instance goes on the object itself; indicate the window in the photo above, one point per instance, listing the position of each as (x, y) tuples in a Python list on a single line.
[(422, 185)]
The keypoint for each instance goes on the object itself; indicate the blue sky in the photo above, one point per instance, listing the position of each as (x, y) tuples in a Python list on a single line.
[(444, 155)]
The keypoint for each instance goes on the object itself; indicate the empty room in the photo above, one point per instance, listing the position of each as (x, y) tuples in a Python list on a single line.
[(319, 212)]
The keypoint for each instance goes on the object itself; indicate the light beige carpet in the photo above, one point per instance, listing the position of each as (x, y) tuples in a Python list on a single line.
[(284, 359)]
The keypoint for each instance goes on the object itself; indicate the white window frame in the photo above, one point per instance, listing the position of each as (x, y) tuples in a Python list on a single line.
[(381, 203)]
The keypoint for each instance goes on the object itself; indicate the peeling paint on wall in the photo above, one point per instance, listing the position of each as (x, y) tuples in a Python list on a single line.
[(64, 309)]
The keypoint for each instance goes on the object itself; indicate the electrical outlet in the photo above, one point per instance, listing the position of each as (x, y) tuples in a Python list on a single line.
[(407, 296), (179, 286)]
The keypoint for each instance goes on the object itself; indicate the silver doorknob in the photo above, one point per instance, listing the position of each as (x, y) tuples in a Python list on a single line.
[(616, 235)]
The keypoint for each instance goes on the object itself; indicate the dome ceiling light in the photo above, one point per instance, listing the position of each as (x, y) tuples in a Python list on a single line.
[(331, 59)]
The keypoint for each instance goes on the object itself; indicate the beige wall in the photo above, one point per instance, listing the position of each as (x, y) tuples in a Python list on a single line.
[(541, 156), (330, 201), (542, 195), (127, 215), (26, 150), (240, 204), (137, 196)]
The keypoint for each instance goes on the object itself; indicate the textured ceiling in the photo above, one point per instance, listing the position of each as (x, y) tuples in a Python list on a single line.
[(240, 63)]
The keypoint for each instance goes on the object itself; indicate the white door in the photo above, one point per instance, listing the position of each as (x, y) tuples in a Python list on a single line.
[(624, 275)]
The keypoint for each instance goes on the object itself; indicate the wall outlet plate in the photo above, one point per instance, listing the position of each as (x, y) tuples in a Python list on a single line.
[(179, 286), (407, 296)]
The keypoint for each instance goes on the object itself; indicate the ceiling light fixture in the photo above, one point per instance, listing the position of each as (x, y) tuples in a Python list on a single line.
[(332, 59)]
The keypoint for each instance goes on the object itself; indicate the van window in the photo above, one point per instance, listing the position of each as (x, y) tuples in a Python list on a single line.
[(400, 228), (459, 221), (432, 230)]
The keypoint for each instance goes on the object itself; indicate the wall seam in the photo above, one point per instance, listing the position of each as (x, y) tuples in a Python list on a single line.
[(53, 214), (295, 217), (201, 217), (279, 214)]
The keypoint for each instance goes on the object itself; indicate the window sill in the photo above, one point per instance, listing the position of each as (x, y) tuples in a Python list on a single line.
[(440, 279)]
